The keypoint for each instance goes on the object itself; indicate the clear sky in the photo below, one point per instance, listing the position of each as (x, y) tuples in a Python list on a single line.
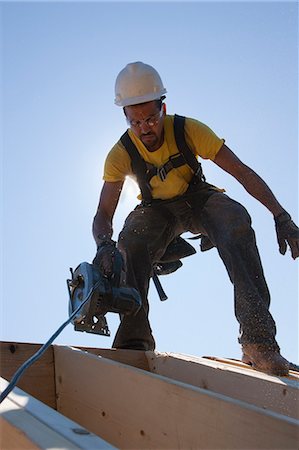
[(232, 65)]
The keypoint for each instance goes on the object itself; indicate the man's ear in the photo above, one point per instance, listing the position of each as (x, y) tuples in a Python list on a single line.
[(164, 108)]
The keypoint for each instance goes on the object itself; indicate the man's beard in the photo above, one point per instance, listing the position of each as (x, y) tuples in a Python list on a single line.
[(150, 141)]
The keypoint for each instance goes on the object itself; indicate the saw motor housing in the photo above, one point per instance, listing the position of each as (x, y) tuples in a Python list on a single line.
[(105, 296)]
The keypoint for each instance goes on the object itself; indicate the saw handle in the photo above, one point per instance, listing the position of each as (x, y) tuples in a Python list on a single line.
[(116, 259)]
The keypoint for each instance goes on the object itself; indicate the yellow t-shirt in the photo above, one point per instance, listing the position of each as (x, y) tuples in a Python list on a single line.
[(200, 138)]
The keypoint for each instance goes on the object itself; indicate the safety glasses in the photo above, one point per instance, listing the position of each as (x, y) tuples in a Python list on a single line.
[(150, 122)]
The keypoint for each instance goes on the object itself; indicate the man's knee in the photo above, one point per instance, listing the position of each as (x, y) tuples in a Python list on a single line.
[(227, 221), (237, 226)]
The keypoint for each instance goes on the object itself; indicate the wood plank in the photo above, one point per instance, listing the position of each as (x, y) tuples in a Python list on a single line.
[(38, 380), (136, 409), (29, 424), (135, 358), (234, 379), (12, 438), (293, 374)]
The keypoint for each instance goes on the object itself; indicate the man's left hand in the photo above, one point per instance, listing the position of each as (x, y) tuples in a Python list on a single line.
[(287, 233)]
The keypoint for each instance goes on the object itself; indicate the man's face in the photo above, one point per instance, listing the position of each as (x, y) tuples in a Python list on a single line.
[(147, 123)]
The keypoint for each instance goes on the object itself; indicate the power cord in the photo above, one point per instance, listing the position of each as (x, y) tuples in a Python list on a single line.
[(44, 347)]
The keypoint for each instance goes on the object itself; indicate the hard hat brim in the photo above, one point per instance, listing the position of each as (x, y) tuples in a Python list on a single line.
[(141, 99)]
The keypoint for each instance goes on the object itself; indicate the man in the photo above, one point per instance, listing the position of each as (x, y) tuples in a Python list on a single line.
[(175, 199)]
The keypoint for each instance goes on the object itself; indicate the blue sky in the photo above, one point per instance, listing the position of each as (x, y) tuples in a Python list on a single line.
[(232, 65)]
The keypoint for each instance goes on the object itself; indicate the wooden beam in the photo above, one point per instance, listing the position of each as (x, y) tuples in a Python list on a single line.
[(231, 378), (28, 424), (131, 357), (136, 409), (38, 380)]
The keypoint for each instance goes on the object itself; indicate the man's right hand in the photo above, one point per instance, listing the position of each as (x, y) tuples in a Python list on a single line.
[(105, 256)]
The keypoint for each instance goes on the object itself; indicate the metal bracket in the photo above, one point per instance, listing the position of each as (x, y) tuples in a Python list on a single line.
[(161, 172)]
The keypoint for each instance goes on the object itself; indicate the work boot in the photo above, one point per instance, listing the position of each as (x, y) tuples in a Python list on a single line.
[(265, 359)]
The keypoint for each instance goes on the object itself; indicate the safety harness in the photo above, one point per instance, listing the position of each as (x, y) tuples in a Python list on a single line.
[(145, 171)]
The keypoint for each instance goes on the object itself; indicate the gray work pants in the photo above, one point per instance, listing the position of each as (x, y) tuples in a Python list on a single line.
[(149, 229)]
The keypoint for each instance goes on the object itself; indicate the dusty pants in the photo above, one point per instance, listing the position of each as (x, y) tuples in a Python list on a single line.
[(147, 232)]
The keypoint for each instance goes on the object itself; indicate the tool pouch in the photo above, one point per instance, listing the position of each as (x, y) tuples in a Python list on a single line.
[(177, 249)]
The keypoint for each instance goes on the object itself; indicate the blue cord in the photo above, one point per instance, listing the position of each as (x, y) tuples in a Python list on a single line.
[(42, 350)]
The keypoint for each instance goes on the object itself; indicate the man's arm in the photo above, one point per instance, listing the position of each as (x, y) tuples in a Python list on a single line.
[(102, 223), (286, 230), (252, 182)]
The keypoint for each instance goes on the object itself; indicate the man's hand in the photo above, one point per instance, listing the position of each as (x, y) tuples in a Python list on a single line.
[(287, 233), (105, 256)]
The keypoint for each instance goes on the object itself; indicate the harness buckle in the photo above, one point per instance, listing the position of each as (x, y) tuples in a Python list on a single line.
[(198, 172), (161, 172)]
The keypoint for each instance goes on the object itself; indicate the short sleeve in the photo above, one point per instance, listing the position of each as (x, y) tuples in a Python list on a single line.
[(118, 164), (202, 140)]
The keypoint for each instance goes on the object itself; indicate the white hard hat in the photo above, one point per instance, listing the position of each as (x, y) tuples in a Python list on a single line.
[(138, 83)]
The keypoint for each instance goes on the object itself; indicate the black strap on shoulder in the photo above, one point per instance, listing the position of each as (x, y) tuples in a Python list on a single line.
[(145, 171), (179, 134), (139, 167)]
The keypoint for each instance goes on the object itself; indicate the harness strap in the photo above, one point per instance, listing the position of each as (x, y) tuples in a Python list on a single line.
[(190, 158), (139, 167), (145, 171)]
